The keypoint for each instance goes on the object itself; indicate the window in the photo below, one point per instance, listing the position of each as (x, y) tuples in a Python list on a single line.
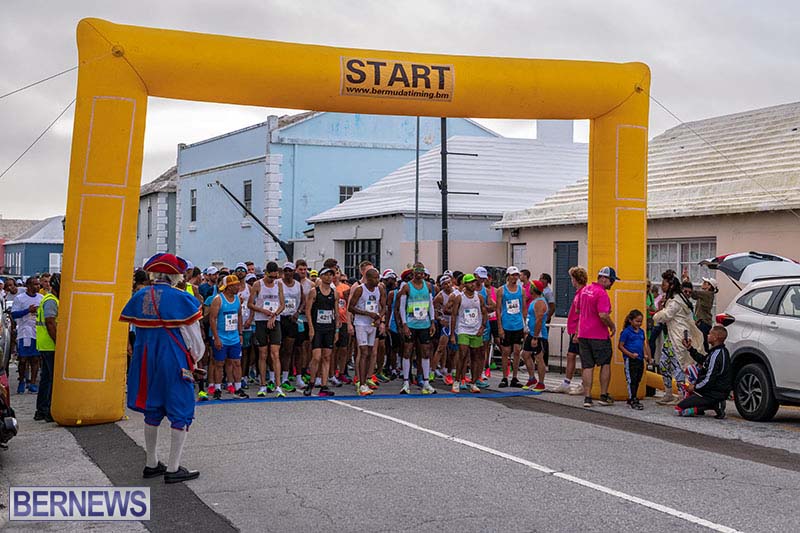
[(149, 218), (518, 255), (55, 263), (758, 300), (193, 205), (248, 194), (680, 255), (565, 257), (361, 250), (346, 191), (790, 305)]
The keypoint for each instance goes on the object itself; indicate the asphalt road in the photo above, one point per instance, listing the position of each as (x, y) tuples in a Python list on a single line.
[(464, 463)]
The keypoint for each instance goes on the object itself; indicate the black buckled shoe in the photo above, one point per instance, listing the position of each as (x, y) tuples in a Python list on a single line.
[(38, 415), (181, 475), (150, 472)]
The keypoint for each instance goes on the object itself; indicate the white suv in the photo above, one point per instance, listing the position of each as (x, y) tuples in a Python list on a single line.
[(764, 342)]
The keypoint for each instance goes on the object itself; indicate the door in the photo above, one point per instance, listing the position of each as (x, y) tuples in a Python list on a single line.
[(565, 256), (780, 338)]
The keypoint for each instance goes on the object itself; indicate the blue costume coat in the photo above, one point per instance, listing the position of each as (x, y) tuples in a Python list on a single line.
[(160, 375)]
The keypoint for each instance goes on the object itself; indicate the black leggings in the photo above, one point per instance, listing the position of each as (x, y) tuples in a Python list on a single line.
[(700, 403), (634, 369)]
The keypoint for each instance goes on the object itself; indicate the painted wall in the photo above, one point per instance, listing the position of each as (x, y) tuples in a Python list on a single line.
[(35, 257), (775, 232), (315, 157), (161, 237)]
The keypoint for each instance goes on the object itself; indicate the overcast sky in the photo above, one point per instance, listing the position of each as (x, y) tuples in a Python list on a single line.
[(707, 58)]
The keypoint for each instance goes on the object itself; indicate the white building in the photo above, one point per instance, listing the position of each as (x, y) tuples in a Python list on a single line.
[(155, 232)]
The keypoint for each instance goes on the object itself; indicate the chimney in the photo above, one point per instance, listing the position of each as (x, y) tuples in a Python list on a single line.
[(554, 131)]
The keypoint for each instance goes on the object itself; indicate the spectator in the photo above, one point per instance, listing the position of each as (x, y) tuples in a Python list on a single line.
[(636, 352), (705, 303), (714, 378), (46, 326)]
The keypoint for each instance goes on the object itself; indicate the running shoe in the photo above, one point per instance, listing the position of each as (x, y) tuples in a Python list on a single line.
[(487, 373), (270, 386), (482, 384), (33, 388), (455, 388), (366, 391), (539, 387), (492, 366), (383, 378), (587, 402), (244, 383), (307, 378), (428, 389), (431, 376), (335, 382), (463, 386), (324, 392), (563, 388), (21, 387), (241, 394), (437, 374), (576, 390), (606, 399), (202, 396), (531, 383), (218, 394), (394, 375), (468, 379), (637, 406), (517, 384), (231, 389), (287, 387), (371, 384), (211, 390), (262, 392), (299, 383), (374, 378), (279, 392), (503, 383), (307, 391), (474, 389), (345, 379), (448, 379), (405, 389)]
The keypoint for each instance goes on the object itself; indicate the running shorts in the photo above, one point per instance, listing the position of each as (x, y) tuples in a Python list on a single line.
[(234, 351), (471, 341), (422, 335), (365, 335), (265, 336), (594, 352), (288, 328), (323, 339), (529, 347), (512, 337)]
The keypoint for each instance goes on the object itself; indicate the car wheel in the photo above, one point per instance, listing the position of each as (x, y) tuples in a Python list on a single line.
[(753, 393)]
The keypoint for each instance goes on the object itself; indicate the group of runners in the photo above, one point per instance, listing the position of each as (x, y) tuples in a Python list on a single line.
[(289, 329)]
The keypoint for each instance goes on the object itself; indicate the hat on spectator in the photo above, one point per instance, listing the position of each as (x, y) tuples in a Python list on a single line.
[(388, 273), (288, 265), (210, 271), (249, 277), (608, 272), (165, 264), (711, 281), (240, 266)]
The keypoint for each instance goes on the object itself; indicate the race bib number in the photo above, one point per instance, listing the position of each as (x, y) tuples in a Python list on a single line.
[(471, 317), (324, 316), (420, 311), (512, 307), (271, 306), (291, 306), (231, 322), (492, 315), (371, 306)]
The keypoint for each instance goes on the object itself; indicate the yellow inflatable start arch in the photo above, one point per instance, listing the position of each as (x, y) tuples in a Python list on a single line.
[(120, 66)]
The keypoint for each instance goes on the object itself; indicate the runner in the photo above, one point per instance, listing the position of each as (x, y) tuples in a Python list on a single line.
[(226, 327), (367, 305), (323, 328), (302, 344), (294, 303), (471, 314), (209, 286), (489, 297), (313, 275), (417, 317), (23, 311), (550, 297), (511, 326), (266, 301), (341, 355), (384, 366), (537, 332), (395, 352), (248, 356), (579, 277), (445, 321)]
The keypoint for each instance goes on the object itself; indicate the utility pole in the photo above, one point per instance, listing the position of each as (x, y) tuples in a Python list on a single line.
[(416, 203), (443, 187)]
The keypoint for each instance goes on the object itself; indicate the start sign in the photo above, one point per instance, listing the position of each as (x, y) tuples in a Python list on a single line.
[(386, 78)]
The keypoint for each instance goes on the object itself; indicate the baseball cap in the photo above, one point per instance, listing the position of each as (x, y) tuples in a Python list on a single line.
[(447, 273), (325, 270), (212, 270), (388, 273), (467, 278), (241, 266), (711, 281), (512, 270), (249, 277), (481, 272), (609, 273), (538, 285), (288, 265), (229, 280), (313, 273)]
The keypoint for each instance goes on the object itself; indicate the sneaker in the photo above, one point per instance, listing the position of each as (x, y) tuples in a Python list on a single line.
[(404, 390), (492, 366), (468, 379), (345, 379), (307, 378), (33, 388), (270, 386), (448, 380), (503, 383), (605, 399), (245, 384), (437, 374), (280, 393), (307, 391), (299, 384), (463, 386), (218, 394), (202, 396), (428, 389), (576, 390), (530, 384), (517, 384), (21, 387), (287, 387), (241, 394), (366, 391), (420, 379), (638, 406), (231, 389), (533, 389), (563, 388), (262, 392), (455, 388), (487, 373), (335, 382), (383, 378), (666, 399), (431, 376), (539, 387), (482, 384), (587, 402), (324, 392), (371, 384), (719, 412), (474, 389)]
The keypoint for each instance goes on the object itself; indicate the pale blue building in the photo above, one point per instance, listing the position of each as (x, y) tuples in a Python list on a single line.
[(287, 170)]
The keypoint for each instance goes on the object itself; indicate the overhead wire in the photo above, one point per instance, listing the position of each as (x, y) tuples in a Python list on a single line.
[(721, 154), (34, 84)]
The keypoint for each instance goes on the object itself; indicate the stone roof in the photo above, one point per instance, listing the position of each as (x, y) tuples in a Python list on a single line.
[(47, 231), (753, 166), (166, 182), (10, 228), (507, 173)]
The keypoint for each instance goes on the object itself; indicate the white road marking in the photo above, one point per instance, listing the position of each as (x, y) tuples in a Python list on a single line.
[(567, 477)]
